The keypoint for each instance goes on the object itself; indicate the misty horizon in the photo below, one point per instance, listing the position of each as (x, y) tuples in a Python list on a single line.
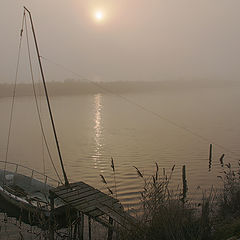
[(83, 87)]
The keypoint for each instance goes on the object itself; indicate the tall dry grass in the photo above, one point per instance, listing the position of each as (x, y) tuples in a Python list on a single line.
[(229, 197), (168, 215)]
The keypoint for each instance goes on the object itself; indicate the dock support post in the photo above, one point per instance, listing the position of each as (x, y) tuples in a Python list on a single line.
[(89, 229), (51, 223), (81, 226), (75, 228), (110, 230)]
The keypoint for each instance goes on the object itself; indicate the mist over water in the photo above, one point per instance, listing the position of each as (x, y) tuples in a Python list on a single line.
[(93, 128)]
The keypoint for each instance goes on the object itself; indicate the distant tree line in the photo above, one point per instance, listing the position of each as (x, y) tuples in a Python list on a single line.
[(74, 87), (77, 87)]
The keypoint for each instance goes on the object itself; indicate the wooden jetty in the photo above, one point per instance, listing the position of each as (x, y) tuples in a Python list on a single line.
[(93, 203)]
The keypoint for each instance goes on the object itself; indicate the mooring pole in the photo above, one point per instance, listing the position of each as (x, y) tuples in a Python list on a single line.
[(184, 182), (210, 152)]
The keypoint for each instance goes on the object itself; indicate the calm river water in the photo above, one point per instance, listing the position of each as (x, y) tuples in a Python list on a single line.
[(169, 127)]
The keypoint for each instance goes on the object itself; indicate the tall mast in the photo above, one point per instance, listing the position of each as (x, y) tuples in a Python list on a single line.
[(48, 102)]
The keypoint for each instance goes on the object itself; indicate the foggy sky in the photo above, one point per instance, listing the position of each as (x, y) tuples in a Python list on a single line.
[(139, 40)]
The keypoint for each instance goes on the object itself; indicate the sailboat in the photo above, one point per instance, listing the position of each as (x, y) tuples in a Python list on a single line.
[(22, 195)]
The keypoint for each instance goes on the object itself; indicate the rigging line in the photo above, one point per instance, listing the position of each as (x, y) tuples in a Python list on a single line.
[(47, 99), (40, 108), (205, 139), (36, 101), (39, 94), (14, 92)]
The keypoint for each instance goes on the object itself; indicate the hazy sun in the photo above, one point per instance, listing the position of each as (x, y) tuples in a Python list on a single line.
[(99, 15)]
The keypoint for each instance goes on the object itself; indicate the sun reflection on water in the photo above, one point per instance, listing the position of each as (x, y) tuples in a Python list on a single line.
[(98, 131)]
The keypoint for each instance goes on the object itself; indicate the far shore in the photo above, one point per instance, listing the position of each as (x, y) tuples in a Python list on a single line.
[(75, 87)]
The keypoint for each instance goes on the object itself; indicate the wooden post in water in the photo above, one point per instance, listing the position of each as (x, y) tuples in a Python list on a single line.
[(210, 158), (210, 153), (184, 181)]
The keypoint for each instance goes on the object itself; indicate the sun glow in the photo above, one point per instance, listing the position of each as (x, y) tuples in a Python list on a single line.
[(99, 15)]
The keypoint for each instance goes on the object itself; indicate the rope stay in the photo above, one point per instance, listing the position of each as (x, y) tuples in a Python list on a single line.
[(145, 109), (44, 139), (14, 94)]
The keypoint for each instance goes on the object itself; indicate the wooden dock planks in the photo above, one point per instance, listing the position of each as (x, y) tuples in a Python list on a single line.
[(93, 202)]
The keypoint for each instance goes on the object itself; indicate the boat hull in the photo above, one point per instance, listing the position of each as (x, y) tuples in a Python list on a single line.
[(35, 213)]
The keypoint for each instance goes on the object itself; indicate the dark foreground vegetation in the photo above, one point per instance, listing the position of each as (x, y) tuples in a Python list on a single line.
[(170, 215)]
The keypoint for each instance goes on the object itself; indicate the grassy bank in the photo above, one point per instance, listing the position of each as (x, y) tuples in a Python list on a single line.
[(170, 215)]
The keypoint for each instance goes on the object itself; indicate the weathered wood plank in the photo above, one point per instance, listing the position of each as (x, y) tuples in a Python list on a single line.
[(74, 190), (93, 203), (69, 195), (78, 189), (86, 205), (114, 215), (95, 213), (117, 214), (57, 189), (81, 206), (62, 189), (89, 210), (104, 223), (88, 196), (83, 195)]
